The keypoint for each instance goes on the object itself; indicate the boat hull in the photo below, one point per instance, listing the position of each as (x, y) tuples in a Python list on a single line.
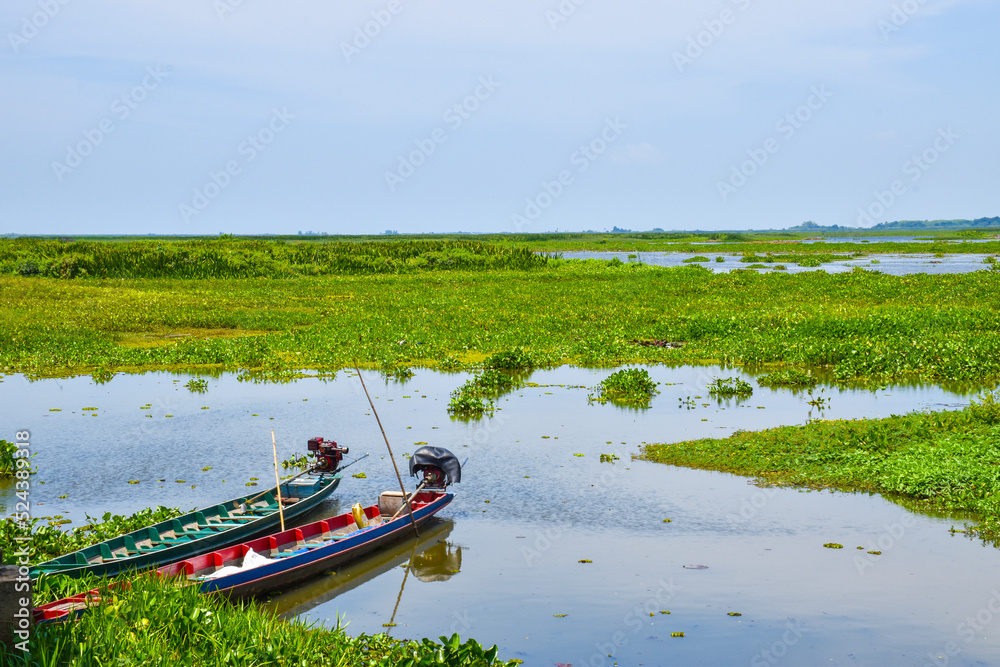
[(95, 559), (296, 569)]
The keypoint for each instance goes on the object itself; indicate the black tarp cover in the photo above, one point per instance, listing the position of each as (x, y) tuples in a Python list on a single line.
[(437, 456)]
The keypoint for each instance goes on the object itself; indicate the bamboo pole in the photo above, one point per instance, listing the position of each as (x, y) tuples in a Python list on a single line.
[(277, 481), (406, 498)]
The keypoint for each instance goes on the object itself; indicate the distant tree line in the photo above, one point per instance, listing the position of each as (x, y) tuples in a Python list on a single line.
[(810, 226)]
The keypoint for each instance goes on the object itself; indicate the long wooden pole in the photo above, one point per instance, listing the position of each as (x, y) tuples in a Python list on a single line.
[(406, 498), (277, 481)]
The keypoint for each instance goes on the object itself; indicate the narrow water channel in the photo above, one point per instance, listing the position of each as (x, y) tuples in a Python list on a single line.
[(741, 570), (892, 264)]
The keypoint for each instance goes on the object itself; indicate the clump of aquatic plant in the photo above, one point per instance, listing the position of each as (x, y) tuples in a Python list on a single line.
[(451, 364), (8, 460), (152, 622), (397, 372), (729, 388), (697, 258), (197, 385), (986, 408), (631, 386), (492, 382), (791, 377), (517, 359), (468, 402), (609, 458), (475, 398), (302, 461), (818, 401)]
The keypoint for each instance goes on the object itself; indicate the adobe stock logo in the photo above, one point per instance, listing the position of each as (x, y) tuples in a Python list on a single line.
[(249, 150), (122, 109), (30, 26), (455, 116), (363, 35), (787, 126), (714, 29), (582, 159), (900, 16), (918, 165)]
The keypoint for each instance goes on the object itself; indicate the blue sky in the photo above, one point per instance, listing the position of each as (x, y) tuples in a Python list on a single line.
[(208, 116)]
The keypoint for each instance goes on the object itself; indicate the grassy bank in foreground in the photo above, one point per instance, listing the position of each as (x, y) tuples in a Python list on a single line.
[(859, 327), (153, 623), (942, 461)]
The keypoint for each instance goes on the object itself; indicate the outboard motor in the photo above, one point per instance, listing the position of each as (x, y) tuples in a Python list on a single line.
[(437, 465), (328, 454)]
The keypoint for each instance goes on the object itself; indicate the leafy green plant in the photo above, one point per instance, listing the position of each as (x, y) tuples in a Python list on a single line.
[(517, 359), (468, 402), (730, 387), (986, 408), (474, 398), (399, 373), (8, 459), (492, 383), (791, 377), (302, 461), (632, 387), (451, 364), (698, 258), (197, 385), (152, 622)]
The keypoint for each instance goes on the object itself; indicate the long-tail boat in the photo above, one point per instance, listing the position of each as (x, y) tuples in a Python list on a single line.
[(209, 528), (289, 557)]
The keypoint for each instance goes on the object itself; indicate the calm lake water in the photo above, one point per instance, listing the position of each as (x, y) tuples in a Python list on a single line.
[(502, 562), (890, 264)]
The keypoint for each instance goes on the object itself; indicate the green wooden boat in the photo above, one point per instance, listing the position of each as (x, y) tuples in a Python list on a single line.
[(197, 532)]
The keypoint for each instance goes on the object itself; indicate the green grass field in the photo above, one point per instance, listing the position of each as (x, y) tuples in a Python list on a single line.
[(861, 327)]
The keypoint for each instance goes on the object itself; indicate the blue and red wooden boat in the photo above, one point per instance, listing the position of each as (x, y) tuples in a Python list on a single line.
[(286, 558)]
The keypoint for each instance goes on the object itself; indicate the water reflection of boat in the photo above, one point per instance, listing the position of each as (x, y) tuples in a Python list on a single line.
[(312, 594), (438, 563)]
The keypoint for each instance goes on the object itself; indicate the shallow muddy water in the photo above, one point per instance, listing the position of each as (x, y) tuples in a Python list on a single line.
[(502, 564), (889, 264)]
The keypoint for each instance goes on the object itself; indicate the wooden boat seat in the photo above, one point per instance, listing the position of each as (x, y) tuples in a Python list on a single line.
[(228, 518), (154, 537), (130, 545), (106, 553)]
